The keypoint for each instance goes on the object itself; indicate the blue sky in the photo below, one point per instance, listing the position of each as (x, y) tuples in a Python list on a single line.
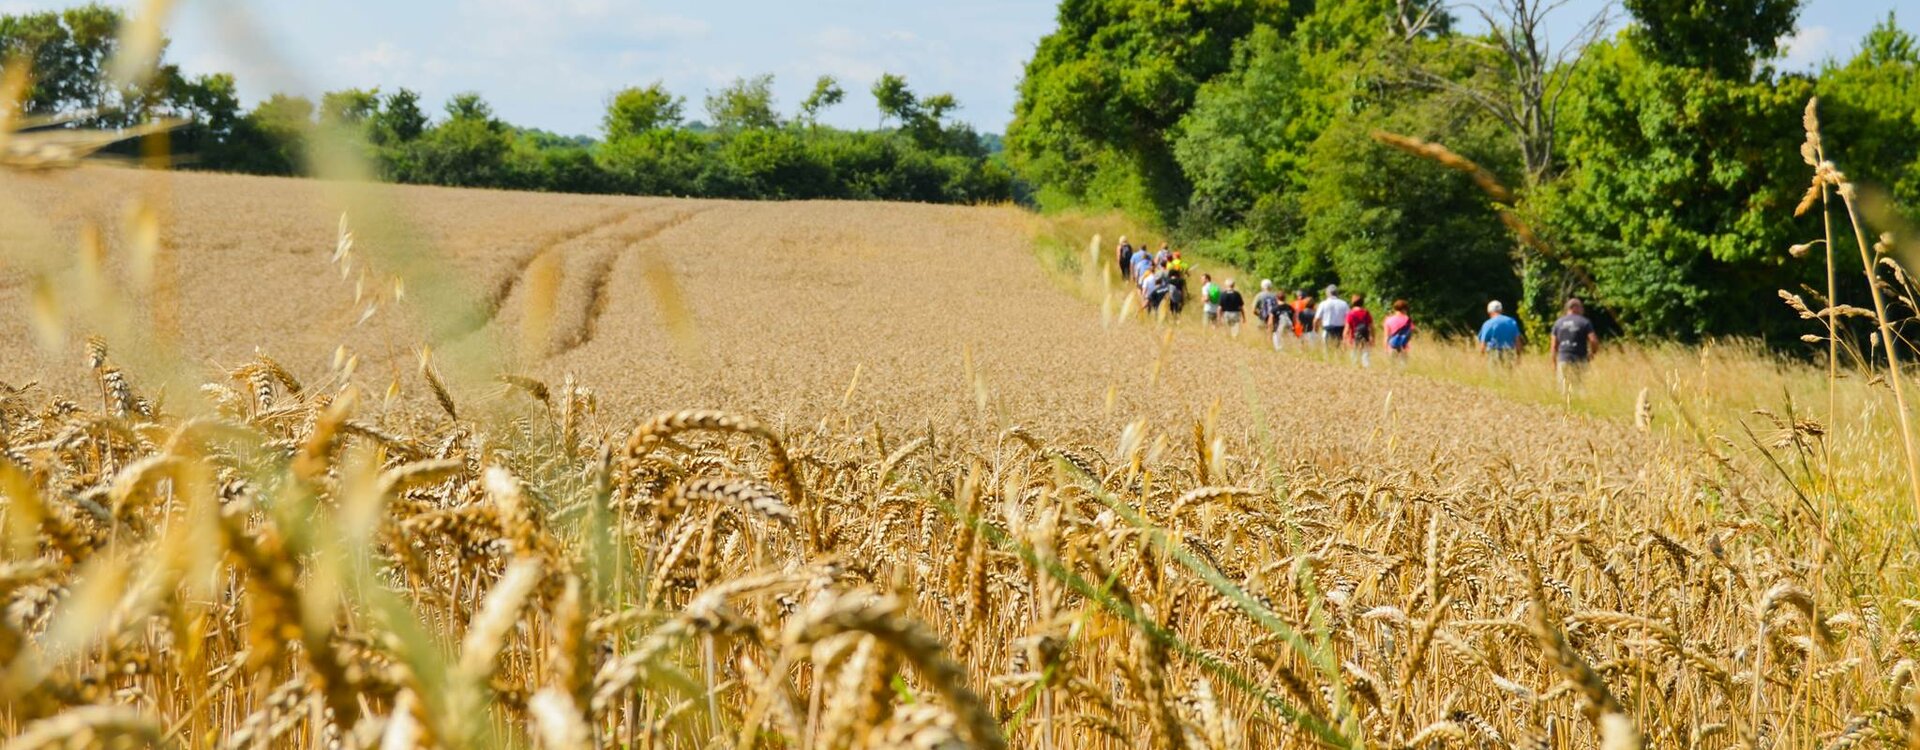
[(552, 63)]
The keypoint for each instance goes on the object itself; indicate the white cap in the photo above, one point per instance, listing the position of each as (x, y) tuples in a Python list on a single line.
[(1494, 306), (1266, 285)]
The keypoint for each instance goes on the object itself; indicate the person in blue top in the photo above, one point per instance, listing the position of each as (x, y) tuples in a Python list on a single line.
[(1500, 335)]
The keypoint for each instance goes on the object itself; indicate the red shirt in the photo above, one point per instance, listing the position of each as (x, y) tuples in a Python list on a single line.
[(1356, 318)]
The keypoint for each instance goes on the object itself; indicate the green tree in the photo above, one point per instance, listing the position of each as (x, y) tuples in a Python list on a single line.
[(469, 149), (1725, 37), (399, 119), (273, 137), (1679, 195), (826, 93), (1870, 112), (349, 107), (1245, 142), (211, 106), (68, 52), (1106, 87), (745, 104), (894, 99), (655, 162), (776, 164), (1395, 226), (468, 105), (638, 110)]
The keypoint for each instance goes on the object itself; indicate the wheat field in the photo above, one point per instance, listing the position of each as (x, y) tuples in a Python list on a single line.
[(477, 469)]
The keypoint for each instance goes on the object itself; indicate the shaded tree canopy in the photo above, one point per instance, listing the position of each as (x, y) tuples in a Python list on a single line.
[(1724, 37)]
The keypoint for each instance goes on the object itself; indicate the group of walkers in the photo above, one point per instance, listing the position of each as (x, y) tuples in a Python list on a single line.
[(1162, 276), (1572, 339)]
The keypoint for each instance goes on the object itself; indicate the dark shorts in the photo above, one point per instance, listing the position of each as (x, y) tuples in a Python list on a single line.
[(1334, 332)]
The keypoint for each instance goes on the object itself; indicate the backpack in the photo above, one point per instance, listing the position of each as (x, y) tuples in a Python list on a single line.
[(1363, 328), (1270, 311)]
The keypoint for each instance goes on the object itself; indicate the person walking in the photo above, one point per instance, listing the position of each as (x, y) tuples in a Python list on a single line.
[(1399, 329), (1142, 264), (1124, 255), (1210, 299), (1232, 308), (1275, 316), (1331, 317), (1165, 255), (1499, 336), (1302, 314), (1176, 288), (1360, 330), (1574, 342)]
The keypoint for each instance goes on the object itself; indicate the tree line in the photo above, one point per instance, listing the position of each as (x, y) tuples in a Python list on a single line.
[(647, 146), (1654, 170)]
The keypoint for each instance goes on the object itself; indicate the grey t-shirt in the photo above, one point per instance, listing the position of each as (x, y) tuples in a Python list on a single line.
[(1570, 336)]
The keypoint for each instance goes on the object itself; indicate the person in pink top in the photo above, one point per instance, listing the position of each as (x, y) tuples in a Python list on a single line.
[(1360, 330), (1399, 328)]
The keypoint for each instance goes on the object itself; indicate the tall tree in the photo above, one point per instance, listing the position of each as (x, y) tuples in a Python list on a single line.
[(1725, 37), (349, 107), (894, 99), (637, 110), (1870, 110), (1106, 87), (468, 105), (1678, 195), (399, 119), (1527, 87), (68, 51), (826, 93), (745, 104), (469, 149)]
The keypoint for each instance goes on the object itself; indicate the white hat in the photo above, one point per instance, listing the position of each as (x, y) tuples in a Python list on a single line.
[(1266, 285), (1494, 306)]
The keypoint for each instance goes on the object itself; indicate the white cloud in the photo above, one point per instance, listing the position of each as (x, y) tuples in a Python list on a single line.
[(1807, 47)]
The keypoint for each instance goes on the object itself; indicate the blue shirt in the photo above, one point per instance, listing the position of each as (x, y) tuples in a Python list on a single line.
[(1500, 332)]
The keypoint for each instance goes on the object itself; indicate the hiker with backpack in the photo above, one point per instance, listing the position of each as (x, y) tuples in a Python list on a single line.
[(1275, 316), (1399, 328), (1176, 288), (1209, 299), (1124, 256), (1359, 330)]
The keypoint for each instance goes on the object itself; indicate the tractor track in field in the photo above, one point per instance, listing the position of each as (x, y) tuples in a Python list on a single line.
[(504, 288), (601, 273)]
